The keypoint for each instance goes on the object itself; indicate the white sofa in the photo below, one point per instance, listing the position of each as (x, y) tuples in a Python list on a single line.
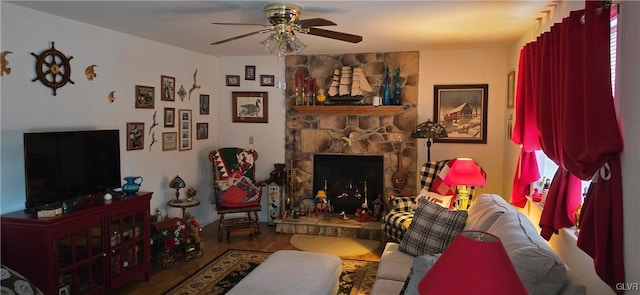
[(540, 269)]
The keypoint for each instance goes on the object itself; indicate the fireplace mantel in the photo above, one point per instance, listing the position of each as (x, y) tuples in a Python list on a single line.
[(348, 110)]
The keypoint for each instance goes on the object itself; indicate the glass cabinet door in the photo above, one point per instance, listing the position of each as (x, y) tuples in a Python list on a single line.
[(81, 261), (127, 247)]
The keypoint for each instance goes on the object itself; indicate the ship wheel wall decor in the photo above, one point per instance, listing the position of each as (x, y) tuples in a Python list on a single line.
[(53, 68)]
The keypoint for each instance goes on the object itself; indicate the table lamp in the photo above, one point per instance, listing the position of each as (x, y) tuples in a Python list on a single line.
[(177, 183), (480, 265), (429, 130), (464, 172)]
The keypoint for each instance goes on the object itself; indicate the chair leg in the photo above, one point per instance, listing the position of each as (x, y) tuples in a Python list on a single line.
[(220, 227), (257, 221)]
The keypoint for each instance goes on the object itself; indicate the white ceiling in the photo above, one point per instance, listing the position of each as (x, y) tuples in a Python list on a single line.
[(384, 25)]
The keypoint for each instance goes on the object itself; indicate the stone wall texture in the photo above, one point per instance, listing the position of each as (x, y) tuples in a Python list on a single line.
[(358, 133)]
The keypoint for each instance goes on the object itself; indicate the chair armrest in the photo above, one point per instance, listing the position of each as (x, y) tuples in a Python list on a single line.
[(402, 203)]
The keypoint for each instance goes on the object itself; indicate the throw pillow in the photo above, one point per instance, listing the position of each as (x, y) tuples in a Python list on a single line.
[(432, 229), (419, 268), (234, 195), (444, 201), (439, 186)]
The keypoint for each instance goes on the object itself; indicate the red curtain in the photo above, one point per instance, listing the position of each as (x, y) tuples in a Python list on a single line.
[(564, 106)]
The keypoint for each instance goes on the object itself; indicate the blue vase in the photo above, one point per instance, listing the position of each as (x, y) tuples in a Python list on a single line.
[(133, 184), (386, 94)]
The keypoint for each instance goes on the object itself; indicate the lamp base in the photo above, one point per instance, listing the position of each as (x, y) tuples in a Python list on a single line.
[(462, 198)]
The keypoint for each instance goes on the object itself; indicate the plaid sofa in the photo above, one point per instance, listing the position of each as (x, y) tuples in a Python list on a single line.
[(397, 220)]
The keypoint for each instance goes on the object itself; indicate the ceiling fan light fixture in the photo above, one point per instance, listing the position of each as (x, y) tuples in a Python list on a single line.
[(283, 44)]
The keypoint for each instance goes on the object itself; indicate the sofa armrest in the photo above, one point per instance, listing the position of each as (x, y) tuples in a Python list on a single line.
[(402, 203)]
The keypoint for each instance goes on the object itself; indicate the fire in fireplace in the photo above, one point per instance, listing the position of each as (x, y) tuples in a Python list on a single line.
[(348, 180)]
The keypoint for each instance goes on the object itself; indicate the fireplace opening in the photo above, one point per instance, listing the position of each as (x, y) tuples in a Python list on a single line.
[(348, 179)]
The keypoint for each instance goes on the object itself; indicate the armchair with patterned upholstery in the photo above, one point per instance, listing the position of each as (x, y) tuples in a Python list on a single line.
[(235, 189)]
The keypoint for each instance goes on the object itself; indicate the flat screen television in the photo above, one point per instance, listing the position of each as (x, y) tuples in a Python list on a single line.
[(61, 166)]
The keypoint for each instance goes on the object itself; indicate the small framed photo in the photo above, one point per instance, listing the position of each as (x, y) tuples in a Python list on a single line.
[(169, 141), (511, 82), (145, 97), (233, 80), (169, 117), (167, 88), (204, 104), (184, 132), (249, 72), (267, 80), (250, 107), (202, 130), (135, 136)]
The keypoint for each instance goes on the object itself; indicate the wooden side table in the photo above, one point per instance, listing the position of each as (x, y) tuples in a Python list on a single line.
[(183, 204)]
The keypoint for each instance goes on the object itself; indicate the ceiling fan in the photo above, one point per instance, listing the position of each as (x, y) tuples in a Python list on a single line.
[(284, 21)]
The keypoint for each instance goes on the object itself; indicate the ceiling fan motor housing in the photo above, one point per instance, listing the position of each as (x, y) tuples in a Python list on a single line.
[(282, 13)]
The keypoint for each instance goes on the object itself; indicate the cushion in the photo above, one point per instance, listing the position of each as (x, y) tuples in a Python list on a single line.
[(233, 195), (432, 229), (439, 186), (539, 268), (14, 283), (430, 170), (485, 210), (421, 265), (444, 201)]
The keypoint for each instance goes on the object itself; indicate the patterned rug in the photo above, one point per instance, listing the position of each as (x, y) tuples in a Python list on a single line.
[(221, 274)]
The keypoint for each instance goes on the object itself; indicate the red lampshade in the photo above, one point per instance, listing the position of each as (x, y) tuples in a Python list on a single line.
[(465, 171), (474, 263)]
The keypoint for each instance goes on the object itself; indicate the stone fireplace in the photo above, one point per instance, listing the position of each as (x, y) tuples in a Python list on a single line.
[(351, 130), (348, 179)]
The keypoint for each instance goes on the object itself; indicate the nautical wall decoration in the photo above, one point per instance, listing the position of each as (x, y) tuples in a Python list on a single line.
[(194, 86), (349, 84), (4, 63), (90, 72), (112, 96), (53, 68)]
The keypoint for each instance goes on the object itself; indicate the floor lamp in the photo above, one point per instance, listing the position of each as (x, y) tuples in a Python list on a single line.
[(429, 130)]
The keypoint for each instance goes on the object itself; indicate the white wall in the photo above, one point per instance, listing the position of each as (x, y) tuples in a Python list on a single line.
[(123, 61)]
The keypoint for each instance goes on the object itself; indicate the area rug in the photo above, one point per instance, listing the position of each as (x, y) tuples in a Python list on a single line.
[(342, 247), (224, 272)]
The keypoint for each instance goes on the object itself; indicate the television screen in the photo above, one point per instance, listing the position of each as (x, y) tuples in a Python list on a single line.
[(61, 166)]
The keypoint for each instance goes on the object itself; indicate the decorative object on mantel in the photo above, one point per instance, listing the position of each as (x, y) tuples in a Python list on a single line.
[(470, 253), (284, 21), (4, 63), (348, 84), (112, 96), (429, 130), (177, 183), (195, 84), (53, 68), (386, 92), (182, 92), (90, 72), (396, 99), (305, 89)]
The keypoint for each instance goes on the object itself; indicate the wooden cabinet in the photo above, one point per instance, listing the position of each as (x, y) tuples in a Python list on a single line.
[(93, 248)]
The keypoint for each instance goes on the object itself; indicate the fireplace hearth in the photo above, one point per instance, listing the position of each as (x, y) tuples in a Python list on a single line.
[(349, 180)]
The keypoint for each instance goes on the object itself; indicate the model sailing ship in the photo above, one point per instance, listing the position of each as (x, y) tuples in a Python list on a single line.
[(349, 84)]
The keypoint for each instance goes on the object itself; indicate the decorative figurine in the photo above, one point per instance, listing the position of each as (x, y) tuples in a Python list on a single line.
[(194, 86), (321, 202), (182, 92), (321, 96), (4, 63), (90, 72), (112, 96)]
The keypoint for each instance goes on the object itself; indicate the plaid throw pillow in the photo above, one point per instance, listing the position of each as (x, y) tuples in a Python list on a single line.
[(429, 171), (439, 186), (433, 228)]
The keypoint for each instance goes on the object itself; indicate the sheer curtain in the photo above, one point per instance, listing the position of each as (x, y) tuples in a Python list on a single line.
[(564, 106)]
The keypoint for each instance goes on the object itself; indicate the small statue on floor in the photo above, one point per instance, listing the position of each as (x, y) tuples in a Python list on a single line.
[(363, 213), (321, 202), (193, 229)]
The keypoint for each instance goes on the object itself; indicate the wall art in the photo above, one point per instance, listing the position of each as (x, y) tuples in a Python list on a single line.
[(168, 88), (249, 72), (145, 97), (204, 104), (462, 110), (135, 136), (202, 130), (185, 129), (511, 82), (267, 80), (233, 80), (169, 117), (169, 141), (250, 107)]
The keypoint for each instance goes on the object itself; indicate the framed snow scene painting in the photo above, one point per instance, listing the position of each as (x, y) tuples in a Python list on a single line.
[(250, 107), (462, 110)]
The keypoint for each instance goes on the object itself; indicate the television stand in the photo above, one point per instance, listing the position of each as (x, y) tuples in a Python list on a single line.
[(91, 249)]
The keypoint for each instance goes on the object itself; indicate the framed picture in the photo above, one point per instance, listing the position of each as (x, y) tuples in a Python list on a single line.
[(169, 117), (511, 82), (204, 104), (167, 88), (135, 136), (462, 110), (267, 80), (249, 72), (169, 141), (233, 80), (202, 130), (145, 97), (185, 129), (250, 107)]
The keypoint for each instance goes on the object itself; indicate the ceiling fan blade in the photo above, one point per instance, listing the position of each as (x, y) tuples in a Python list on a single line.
[(240, 36), (315, 22), (239, 24), (335, 35)]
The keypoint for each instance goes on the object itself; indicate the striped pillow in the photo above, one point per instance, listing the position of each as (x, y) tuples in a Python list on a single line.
[(433, 228)]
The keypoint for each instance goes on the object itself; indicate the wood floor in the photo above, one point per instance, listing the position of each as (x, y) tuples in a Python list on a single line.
[(269, 241)]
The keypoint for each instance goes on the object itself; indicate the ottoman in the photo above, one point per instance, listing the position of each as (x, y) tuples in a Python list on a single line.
[(293, 272)]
